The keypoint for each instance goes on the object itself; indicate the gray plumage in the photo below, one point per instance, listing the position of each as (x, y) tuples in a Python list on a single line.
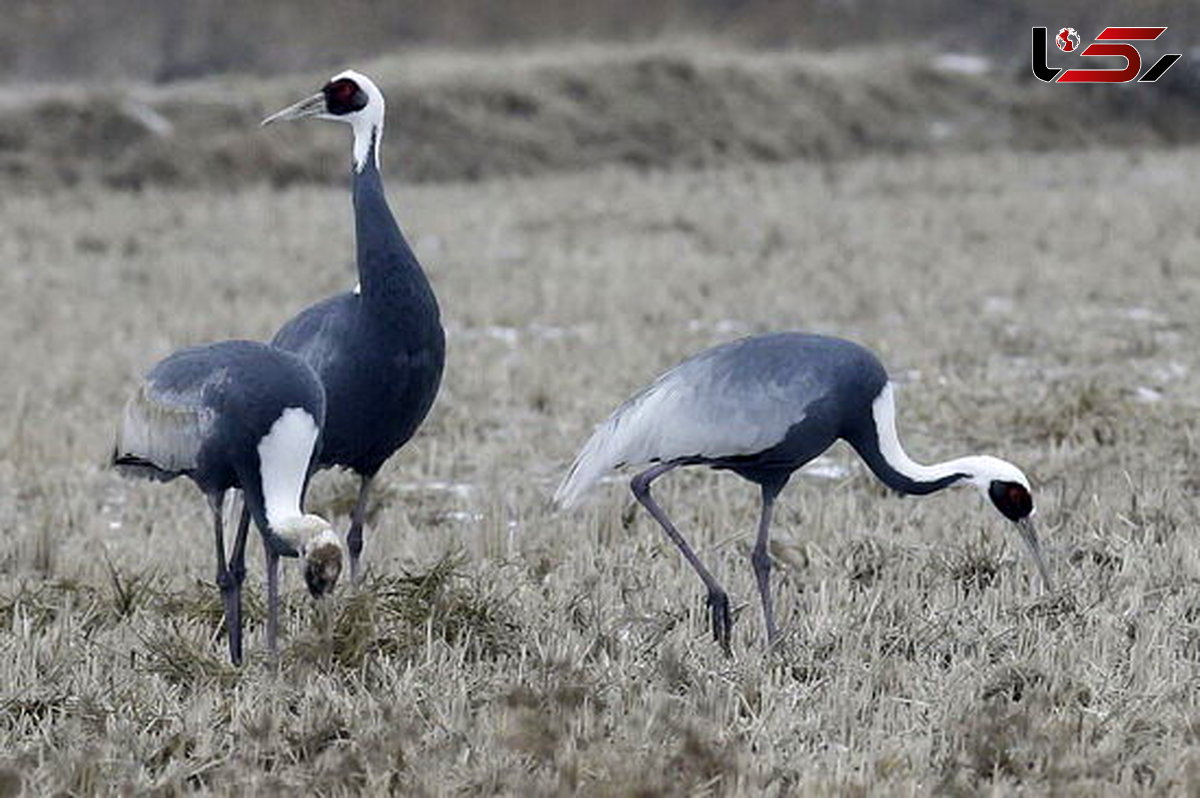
[(215, 414), (202, 411), (762, 407), (161, 431), (379, 351), (732, 405)]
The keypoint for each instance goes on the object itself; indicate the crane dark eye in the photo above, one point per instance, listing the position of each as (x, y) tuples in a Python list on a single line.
[(1012, 499), (344, 96)]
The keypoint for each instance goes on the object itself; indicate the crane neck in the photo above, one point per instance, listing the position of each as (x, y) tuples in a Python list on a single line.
[(385, 260), (368, 133), (878, 444), (285, 454)]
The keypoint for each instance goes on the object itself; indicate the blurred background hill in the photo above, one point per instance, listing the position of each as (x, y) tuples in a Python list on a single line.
[(157, 41), (138, 92)]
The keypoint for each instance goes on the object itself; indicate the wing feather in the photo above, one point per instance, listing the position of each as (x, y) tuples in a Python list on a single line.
[(317, 332), (162, 431), (715, 405)]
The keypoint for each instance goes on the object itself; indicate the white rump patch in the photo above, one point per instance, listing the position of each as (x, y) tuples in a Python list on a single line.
[(284, 454)]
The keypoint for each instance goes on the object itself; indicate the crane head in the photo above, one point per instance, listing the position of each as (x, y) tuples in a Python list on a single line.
[(1012, 497), (320, 548), (1007, 487), (348, 97)]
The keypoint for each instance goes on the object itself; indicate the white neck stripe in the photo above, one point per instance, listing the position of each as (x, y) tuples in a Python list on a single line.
[(364, 136), (284, 454), (979, 470)]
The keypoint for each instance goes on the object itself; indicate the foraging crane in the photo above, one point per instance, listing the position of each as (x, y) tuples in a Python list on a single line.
[(241, 415), (379, 350), (762, 407)]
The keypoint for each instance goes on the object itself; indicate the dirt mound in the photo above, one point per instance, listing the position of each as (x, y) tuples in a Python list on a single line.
[(455, 116)]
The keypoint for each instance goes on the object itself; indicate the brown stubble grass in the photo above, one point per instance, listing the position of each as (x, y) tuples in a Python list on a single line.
[(1040, 308)]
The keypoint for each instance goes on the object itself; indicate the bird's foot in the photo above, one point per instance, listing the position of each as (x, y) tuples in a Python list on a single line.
[(722, 619)]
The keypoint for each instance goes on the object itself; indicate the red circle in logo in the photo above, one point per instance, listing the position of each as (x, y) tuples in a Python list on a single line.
[(1067, 39)]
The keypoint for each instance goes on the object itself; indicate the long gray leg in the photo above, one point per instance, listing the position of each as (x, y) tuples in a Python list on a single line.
[(761, 560), (237, 573), (354, 538), (718, 599), (272, 600), (226, 581)]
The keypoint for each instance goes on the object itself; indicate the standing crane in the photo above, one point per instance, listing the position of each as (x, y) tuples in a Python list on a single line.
[(237, 415), (762, 407), (379, 350)]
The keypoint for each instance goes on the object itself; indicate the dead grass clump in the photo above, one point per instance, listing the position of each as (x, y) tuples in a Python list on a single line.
[(686, 760), (394, 616), (35, 606), (187, 659), (202, 603), (865, 560), (1054, 610), (702, 762), (128, 592), (1012, 683), (975, 566), (1089, 413), (1012, 744), (34, 705), (547, 720), (1096, 556)]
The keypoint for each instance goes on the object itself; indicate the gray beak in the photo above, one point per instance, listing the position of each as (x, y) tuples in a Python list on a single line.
[(310, 106), (1029, 535)]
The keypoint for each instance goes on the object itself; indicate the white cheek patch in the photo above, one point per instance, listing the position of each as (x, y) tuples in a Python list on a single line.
[(368, 122), (284, 454)]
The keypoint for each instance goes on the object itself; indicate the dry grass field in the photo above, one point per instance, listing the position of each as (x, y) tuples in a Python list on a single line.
[(1037, 307)]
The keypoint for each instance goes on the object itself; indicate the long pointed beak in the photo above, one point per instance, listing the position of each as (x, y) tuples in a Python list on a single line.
[(309, 106), (1029, 535)]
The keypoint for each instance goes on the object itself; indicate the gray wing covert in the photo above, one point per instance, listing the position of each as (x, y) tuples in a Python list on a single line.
[(733, 400), (728, 403), (164, 426), (316, 332)]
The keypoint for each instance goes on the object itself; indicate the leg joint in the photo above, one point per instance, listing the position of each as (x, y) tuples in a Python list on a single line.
[(640, 485), (761, 559)]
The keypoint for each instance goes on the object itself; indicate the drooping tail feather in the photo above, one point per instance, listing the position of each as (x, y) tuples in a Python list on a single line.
[(137, 467), (602, 453), (642, 430)]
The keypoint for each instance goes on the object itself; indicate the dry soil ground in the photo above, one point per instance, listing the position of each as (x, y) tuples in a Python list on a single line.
[(1037, 307)]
